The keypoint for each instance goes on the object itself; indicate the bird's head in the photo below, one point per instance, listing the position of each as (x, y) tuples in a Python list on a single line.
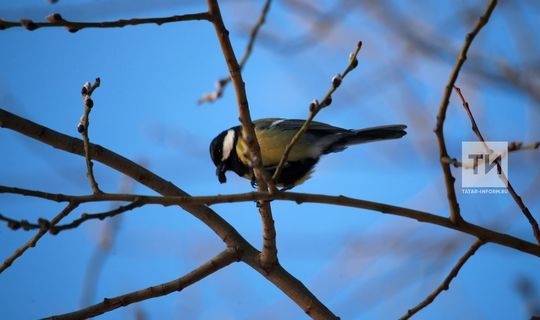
[(222, 152)]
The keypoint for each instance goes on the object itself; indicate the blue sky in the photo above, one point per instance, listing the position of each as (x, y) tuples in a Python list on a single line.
[(146, 110)]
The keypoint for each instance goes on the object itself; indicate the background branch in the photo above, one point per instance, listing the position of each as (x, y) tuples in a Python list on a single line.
[(82, 127), (446, 283), (455, 214), (526, 212), (221, 84)]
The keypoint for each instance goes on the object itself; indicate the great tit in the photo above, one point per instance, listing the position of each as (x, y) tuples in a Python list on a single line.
[(228, 149)]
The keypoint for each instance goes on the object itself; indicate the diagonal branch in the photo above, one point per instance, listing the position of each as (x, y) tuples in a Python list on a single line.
[(220, 261), (269, 251), (314, 108), (222, 83), (446, 283), (287, 283), (526, 212), (56, 20), (32, 242), (82, 127), (455, 215)]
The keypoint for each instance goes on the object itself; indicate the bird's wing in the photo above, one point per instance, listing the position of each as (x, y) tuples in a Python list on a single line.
[(317, 128), (274, 135)]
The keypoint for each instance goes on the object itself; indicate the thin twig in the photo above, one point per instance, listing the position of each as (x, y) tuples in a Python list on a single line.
[(269, 250), (422, 216), (526, 212), (446, 283), (512, 147), (218, 262), (314, 108), (32, 242), (455, 214), (222, 83), (82, 127), (56, 20), (54, 230)]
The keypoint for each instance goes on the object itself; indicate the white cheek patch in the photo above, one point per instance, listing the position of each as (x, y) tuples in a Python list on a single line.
[(228, 145)]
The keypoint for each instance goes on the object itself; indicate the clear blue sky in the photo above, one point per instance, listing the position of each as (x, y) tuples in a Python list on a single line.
[(362, 264)]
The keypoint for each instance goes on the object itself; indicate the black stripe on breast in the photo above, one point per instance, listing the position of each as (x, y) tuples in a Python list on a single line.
[(293, 171)]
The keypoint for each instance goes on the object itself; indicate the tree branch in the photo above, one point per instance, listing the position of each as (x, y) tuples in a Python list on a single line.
[(25, 225), (526, 212), (512, 147), (287, 283), (314, 108), (56, 20), (455, 215), (446, 283), (218, 262), (269, 250), (82, 127), (222, 83), (486, 235), (32, 242)]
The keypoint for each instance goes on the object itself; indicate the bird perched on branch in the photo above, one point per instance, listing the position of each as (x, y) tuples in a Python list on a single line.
[(229, 150)]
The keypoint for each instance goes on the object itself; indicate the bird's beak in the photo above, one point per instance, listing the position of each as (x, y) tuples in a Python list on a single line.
[(220, 172)]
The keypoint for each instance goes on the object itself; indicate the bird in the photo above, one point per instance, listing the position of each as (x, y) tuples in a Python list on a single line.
[(228, 149)]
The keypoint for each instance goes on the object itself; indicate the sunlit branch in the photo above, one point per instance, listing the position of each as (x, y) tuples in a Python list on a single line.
[(269, 251)]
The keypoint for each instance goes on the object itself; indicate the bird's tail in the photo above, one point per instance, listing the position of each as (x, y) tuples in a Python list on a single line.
[(388, 132)]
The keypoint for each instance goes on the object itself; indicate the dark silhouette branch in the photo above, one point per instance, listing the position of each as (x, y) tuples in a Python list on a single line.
[(269, 251), (56, 20), (218, 262), (526, 212), (445, 285), (32, 242), (455, 214), (222, 83)]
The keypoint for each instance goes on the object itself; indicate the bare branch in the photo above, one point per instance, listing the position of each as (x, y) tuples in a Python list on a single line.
[(218, 262), (287, 283), (269, 252), (455, 215), (82, 127), (486, 235), (512, 147), (222, 83), (502, 175), (446, 283), (32, 243), (56, 20), (314, 108)]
